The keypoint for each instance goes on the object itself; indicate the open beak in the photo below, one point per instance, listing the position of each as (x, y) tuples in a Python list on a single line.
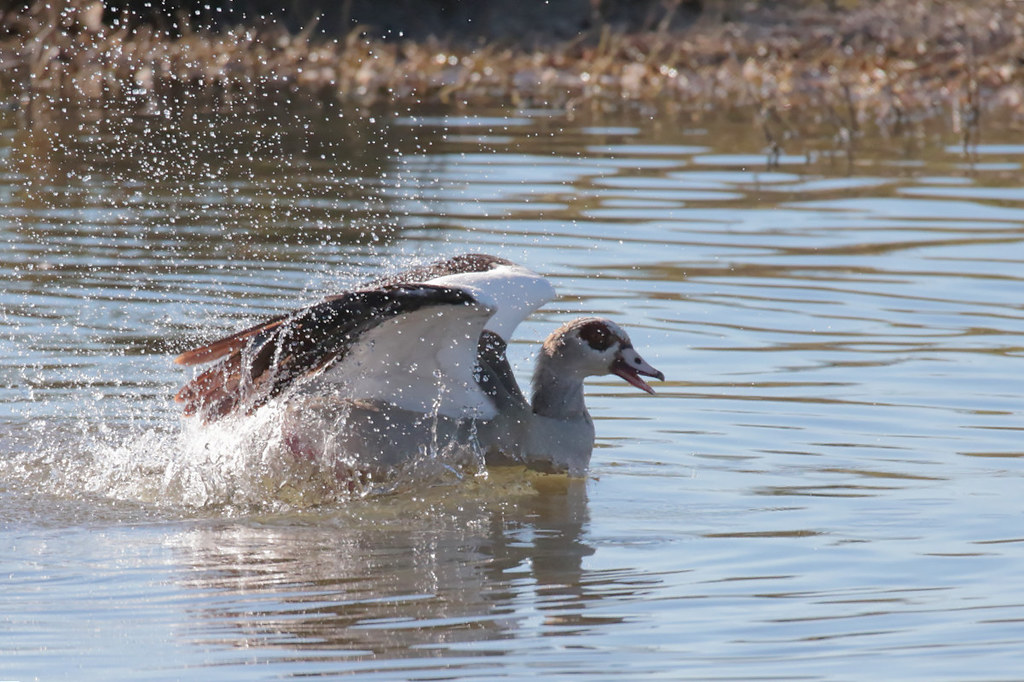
[(629, 365)]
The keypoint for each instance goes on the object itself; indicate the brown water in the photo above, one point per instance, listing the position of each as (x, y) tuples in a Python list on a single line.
[(827, 487)]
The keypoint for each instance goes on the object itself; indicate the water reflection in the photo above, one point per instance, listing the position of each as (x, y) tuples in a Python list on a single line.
[(420, 577)]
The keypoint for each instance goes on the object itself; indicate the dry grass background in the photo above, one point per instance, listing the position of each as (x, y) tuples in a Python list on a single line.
[(885, 63)]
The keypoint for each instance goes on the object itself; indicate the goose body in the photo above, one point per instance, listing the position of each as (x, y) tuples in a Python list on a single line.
[(416, 362)]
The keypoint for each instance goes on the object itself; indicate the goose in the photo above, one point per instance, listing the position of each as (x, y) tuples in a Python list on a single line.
[(419, 359)]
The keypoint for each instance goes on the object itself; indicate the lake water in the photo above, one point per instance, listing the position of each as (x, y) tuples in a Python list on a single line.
[(827, 487)]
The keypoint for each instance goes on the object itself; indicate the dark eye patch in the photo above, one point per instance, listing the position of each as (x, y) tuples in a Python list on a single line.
[(597, 335)]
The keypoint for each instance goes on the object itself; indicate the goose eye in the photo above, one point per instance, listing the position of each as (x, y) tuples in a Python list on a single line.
[(596, 335)]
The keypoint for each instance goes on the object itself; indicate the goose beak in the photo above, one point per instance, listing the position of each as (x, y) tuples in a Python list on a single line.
[(629, 365)]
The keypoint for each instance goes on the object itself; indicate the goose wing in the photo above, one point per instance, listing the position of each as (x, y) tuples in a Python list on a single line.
[(413, 344)]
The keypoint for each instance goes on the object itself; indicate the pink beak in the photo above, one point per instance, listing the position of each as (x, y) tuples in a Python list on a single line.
[(629, 365)]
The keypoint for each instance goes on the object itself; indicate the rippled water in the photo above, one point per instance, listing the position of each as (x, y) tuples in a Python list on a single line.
[(827, 487)]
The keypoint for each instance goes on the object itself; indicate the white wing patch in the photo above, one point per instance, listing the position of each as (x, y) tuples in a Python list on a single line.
[(423, 361), (512, 291)]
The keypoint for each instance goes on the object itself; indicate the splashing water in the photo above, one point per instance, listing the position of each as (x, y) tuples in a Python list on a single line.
[(239, 463)]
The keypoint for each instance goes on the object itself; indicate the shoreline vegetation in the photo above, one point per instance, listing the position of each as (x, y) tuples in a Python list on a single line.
[(887, 64)]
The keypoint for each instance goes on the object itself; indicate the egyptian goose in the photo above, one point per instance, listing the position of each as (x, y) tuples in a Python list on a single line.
[(418, 360)]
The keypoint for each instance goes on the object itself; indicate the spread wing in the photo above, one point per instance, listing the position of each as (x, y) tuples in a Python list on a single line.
[(418, 345), (261, 362)]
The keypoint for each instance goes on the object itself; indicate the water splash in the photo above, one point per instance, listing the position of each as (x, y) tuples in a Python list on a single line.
[(240, 464)]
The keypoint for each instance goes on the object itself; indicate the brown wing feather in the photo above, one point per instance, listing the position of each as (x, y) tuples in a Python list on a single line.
[(227, 345), (215, 391)]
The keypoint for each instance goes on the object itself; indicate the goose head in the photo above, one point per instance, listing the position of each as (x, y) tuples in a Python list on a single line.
[(607, 350), (588, 346)]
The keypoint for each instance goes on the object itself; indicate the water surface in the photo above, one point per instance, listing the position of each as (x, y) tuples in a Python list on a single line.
[(826, 488)]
